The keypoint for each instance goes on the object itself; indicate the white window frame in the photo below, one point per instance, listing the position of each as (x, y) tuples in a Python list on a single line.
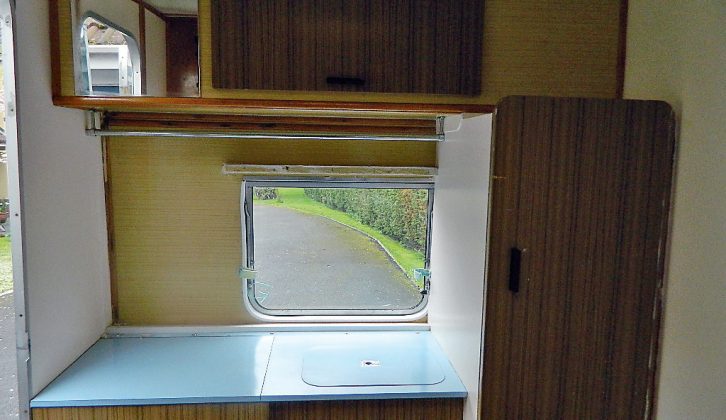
[(326, 315), (132, 52)]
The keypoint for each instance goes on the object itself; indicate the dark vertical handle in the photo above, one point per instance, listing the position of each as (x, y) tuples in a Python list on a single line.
[(515, 269)]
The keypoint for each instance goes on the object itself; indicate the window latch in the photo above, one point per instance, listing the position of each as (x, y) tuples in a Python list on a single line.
[(424, 276)]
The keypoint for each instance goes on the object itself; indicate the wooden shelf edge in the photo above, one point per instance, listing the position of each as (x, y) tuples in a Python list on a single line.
[(249, 106)]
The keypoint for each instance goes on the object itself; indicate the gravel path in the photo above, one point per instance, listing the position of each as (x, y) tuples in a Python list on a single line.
[(8, 368), (311, 262)]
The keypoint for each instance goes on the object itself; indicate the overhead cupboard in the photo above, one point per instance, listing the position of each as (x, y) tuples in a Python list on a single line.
[(432, 57)]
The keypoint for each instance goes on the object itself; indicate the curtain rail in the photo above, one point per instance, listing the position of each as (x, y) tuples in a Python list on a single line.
[(265, 136)]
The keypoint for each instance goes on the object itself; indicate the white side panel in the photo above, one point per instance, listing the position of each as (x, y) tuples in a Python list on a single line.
[(155, 55), (66, 258), (676, 52), (458, 252)]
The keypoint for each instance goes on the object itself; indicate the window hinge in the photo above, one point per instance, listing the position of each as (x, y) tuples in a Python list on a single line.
[(247, 273)]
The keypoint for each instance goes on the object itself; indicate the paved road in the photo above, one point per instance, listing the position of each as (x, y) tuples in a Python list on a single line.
[(311, 262), (8, 368)]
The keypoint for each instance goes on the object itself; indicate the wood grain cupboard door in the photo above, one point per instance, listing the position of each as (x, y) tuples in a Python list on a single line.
[(405, 46), (580, 201)]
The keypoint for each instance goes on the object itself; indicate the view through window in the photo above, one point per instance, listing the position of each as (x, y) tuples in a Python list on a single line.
[(8, 365), (346, 249)]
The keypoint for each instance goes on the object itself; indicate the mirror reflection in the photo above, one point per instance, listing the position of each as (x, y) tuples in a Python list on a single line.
[(135, 47)]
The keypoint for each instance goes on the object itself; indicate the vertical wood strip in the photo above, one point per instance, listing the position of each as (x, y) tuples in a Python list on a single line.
[(142, 44), (622, 48), (53, 33), (110, 231)]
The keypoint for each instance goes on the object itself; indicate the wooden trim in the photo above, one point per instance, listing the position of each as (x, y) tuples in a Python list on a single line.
[(110, 231), (240, 411), (395, 409), (152, 9), (160, 122), (242, 106), (53, 32), (622, 49), (142, 43)]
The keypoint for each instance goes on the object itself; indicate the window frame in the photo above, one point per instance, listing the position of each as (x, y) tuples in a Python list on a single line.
[(82, 54), (342, 315)]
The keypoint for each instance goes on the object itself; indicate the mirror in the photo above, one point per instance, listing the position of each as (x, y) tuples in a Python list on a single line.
[(135, 47)]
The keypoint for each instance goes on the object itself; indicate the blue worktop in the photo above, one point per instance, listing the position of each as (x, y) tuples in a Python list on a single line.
[(407, 364), (255, 367)]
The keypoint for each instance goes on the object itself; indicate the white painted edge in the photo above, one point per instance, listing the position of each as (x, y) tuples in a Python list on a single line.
[(231, 330), (22, 346), (319, 170), (452, 123)]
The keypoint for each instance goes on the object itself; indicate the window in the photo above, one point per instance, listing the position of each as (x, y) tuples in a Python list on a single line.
[(109, 58), (336, 247)]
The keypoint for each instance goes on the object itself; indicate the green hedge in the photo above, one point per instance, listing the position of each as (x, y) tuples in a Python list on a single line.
[(397, 213), (265, 193)]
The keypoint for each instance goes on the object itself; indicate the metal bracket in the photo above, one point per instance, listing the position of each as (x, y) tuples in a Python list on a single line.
[(94, 121), (440, 131)]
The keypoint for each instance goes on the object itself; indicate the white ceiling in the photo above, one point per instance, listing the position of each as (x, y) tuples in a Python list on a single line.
[(174, 7)]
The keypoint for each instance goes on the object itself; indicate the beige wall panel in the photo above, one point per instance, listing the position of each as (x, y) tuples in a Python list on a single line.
[(176, 218), (65, 48), (155, 55), (3, 180)]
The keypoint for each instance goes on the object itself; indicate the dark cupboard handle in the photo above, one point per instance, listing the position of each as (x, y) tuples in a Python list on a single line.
[(515, 269), (337, 80)]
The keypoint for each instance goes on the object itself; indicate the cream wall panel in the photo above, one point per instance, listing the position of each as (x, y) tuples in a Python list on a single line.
[(176, 218), (677, 53), (3, 180), (155, 55)]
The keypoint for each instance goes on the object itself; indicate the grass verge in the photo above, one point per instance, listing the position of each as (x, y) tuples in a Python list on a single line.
[(295, 199), (6, 265)]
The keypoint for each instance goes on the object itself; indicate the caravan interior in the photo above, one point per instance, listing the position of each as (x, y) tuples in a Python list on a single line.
[(328, 209)]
